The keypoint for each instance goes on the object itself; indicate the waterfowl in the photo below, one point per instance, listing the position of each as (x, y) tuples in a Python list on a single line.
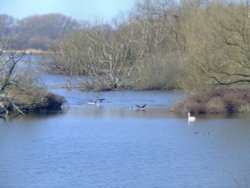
[(100, 100), (96, 102), (141, 107), (92, 102), (191, 118)]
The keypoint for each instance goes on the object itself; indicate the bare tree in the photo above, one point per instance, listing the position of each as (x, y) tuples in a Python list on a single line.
[(43, 31), (8, 62), (216, 46), (233, 30), (68, 59), (110, 56), (21, 92), (154, 25)]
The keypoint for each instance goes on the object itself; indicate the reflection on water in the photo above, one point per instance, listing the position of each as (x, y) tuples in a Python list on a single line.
[(123, 113), (118, 112)]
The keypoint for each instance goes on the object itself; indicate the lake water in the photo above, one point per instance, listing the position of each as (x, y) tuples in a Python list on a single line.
[(115, 146)]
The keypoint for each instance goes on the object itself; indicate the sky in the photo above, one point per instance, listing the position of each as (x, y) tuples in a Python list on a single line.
[(87, 10)]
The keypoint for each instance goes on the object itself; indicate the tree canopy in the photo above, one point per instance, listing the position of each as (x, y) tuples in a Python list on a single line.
[(190, 44)]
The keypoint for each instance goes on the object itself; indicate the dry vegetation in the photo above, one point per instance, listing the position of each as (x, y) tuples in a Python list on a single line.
[(193, 45), (216, 101), (20, 92), (23, 94), (138, 52)]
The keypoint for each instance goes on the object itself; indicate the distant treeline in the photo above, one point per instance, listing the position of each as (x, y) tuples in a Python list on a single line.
[(36, 32), (189, 44)]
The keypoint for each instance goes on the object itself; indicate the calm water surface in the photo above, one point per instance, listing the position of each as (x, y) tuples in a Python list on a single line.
[(116, 146)]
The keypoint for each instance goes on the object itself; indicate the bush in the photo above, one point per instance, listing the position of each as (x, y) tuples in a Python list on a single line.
[(215, 105), (50, 102), (155, 73), (216, 101)]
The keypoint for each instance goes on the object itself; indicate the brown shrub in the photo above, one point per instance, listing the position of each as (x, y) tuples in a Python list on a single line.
[(236, 100), (49, 103), (53, 102), (226, 100), (200, 98), (190, 105), (215, 105)]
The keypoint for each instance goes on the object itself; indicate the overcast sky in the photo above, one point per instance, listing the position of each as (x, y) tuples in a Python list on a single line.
[(90, 10)]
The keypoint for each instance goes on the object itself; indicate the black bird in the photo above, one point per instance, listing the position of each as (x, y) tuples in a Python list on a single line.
[(141, 107), (100, 100)]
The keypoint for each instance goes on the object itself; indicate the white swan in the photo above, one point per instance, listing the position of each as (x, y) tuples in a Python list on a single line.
[(92, 102), (191, 118)]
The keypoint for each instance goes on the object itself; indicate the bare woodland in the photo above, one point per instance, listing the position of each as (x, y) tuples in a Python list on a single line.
[(193, 45)]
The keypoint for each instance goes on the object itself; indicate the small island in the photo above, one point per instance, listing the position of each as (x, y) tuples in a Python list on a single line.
[(21, 92)]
